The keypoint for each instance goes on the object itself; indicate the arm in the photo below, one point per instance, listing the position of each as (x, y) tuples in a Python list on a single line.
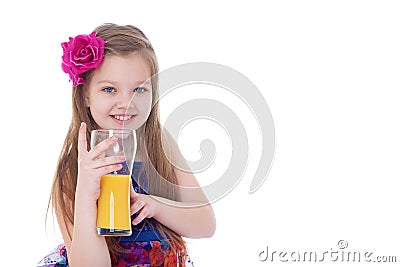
[(194, 222), (193, 216), (86, 248)]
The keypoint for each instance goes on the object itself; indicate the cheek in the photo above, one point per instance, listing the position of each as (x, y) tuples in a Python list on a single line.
[(148, 107), (97, 107), (144, 108), (145, 105)]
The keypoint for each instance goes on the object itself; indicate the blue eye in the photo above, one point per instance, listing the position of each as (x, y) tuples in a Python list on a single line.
[(140, 89), (109, 89)]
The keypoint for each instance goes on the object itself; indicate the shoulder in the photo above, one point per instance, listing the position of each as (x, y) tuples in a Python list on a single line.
[(171, 148), (190, 189), (173, 153)]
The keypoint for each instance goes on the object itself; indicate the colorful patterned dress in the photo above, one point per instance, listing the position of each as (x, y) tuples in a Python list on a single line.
[(144, 248)]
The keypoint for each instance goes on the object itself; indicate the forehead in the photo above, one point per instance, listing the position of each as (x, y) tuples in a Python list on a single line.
[(126, 69)]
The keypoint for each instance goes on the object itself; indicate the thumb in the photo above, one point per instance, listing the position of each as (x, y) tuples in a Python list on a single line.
[(82, 142)]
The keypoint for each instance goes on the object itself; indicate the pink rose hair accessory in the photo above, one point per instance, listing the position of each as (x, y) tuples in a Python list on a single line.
[(80, 54)]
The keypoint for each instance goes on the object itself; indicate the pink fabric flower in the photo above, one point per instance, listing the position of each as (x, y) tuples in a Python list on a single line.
[(82, 53)]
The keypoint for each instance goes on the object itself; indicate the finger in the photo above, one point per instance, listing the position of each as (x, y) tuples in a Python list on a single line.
[(108, 169), (137, 206), (108, 161), (82, 142), (133, 193), (141, 216), (102, 147)]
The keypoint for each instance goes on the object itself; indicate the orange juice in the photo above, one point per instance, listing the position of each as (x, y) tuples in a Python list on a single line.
[(113, 206)]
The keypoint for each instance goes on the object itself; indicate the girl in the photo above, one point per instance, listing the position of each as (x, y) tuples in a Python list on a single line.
[(114, 85)]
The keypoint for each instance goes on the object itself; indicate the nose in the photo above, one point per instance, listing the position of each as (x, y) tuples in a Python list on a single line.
[(124, 101)]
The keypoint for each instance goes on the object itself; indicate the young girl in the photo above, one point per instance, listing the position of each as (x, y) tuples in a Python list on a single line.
[(114, 86)]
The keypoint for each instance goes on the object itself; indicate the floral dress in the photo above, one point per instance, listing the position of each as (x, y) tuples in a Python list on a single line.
[(150, 253), (144, 248)]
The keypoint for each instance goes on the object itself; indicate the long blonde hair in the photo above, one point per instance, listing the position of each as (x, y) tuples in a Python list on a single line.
[(120, 40)]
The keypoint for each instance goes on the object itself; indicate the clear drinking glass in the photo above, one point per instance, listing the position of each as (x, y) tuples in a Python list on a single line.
[(113, 205)]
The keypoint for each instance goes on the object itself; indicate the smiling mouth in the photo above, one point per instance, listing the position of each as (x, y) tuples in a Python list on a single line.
[(122, 118)]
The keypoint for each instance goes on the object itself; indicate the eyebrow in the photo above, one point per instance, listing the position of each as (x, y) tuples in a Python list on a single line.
[(115, 82)]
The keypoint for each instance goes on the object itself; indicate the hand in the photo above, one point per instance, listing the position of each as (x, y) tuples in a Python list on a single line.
[(146, 205), (91, 165)]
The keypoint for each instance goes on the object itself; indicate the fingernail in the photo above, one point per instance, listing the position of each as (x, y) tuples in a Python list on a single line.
[(113, 138)]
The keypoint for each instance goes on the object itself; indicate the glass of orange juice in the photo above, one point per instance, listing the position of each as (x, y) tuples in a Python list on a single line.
[(113, 205)]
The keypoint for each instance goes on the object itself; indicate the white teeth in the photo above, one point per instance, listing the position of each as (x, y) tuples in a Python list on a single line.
[(122, 118)]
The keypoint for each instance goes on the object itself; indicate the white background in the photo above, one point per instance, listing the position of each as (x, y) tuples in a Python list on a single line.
[(329, 71)]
